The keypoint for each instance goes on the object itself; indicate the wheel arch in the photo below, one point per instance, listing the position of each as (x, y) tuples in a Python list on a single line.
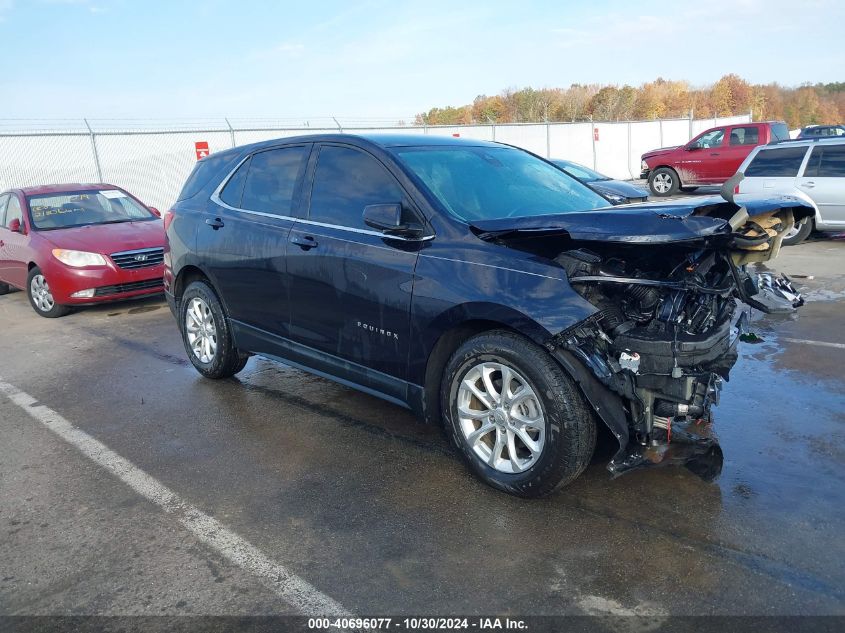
[(442, 350), (673, 169), (607, 406), (187, 275)]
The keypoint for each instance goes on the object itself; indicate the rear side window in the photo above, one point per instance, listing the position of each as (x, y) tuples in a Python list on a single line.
[(3, 200), (745, 136), (780, 132), (347, 180), (272, 178), (202, 173), (783, 162), (233, 190), (826, 162)]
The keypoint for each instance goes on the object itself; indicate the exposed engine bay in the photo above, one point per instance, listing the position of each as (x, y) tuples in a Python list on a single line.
[(669, 315), (664, 339)]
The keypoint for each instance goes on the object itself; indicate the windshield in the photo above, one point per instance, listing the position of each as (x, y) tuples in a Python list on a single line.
[(81, 208), (585, 174), (489, 183)]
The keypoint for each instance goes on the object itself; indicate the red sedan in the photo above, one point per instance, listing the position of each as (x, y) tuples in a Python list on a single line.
[(71, 245)]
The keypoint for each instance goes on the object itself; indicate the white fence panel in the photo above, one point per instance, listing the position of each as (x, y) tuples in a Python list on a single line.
[(154, 167), (572, 141), (247, 137), (612, 150), (530, 137), (154, 163), (37, 160), (475, 132)]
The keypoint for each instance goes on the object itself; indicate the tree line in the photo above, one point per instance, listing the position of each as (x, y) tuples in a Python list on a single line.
[(660, 99)]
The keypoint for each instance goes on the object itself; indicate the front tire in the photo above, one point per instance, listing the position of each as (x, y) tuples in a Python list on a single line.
[(40, 296), (515, 416), (207, 333), (799, 233), (664, 182), (4, 288)]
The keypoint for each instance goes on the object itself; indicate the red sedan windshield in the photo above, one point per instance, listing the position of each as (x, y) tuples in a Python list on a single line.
[(81, 208)]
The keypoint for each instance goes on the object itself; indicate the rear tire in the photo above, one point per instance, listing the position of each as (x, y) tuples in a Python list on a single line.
[(803, 232), (663, 182), (541, 404), (40, 297), (207, 333)]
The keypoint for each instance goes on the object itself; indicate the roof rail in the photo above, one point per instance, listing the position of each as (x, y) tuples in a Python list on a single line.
[(817, 139)]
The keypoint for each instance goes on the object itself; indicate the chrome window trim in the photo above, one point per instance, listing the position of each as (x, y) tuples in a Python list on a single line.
[(215, 198)]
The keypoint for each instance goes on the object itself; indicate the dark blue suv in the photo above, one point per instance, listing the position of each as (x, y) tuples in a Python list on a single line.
[(476, 284)]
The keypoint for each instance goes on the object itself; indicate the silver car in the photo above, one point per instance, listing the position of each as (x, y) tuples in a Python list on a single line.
[(813, 167)]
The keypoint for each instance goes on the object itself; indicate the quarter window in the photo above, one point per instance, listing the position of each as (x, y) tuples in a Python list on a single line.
[(3, 200), (782, 162), (826, 162), (346, 181), (234, 189), (745, 136), (271, 181)]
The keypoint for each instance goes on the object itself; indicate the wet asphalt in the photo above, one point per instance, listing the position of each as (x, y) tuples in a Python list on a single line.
[(376, 511)]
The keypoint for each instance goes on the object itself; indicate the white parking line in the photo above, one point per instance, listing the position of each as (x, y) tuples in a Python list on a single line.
[(295, 591), (807, 342)]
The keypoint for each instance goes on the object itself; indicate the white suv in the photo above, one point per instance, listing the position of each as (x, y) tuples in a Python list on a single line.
[(814, 167)]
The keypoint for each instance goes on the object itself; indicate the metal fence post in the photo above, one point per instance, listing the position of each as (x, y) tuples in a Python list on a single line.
[(690, 123), (94, 150), (593, 138), (337, 123), (631, 173), (231, 131), (548, 140), (661, 132)]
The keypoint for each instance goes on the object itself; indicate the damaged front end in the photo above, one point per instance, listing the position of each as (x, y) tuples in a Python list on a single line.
[(668, 284)]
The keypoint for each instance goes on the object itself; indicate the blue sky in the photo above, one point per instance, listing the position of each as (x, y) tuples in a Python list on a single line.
[(156, 59)]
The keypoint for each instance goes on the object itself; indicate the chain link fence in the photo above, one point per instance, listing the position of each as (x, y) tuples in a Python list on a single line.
[(152, 160)]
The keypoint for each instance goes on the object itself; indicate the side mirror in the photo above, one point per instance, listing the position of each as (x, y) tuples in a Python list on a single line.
[(388, 218), (693, 146), (155, 211), (15, 226)]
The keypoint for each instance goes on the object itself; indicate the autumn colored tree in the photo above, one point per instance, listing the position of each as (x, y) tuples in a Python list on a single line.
[(661, 98)]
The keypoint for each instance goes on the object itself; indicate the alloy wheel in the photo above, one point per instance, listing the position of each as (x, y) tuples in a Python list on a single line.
[(41, 295), (201, 330), (501, 417), (662, 183)]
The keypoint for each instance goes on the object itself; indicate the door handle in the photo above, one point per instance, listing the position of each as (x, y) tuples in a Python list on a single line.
[(809, 185), (306, 242), (714, 153), (216, 223)]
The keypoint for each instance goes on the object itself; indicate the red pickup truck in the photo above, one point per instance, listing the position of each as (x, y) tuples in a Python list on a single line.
[(709, 159)]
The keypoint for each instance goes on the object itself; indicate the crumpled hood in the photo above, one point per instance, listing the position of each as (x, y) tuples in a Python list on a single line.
[(659, 152), (109, 238), (712, 218)]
